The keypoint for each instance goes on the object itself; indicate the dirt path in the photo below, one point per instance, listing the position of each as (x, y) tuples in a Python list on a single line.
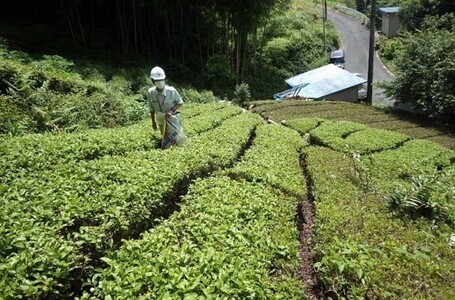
[(306, 213)]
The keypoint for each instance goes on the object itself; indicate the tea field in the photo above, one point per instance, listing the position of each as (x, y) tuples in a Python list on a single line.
[(106, 214)]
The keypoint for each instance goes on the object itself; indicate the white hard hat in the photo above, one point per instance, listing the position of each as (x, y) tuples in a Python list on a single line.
[(157, 74)]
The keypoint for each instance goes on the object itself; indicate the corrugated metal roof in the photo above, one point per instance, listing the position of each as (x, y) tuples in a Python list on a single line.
[(324, 81), (389, 10)]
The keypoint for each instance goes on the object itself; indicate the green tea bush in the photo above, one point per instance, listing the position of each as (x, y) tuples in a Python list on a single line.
[(364, 251), (350, 264), (267, 154), (204, 250), (191, 95), (227, 242), (100, 200), (413, 158)]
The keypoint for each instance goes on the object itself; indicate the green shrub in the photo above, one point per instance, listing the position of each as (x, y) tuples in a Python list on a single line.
[(54, 63), (120, 84), (10, 76), (191, 95), (389, 49), (242, 93), (429, 195), (49, 94), (425, 68), (13, 120), (347, 268)]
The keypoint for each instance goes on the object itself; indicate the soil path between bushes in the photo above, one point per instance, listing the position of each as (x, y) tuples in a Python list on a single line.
[(306, 212)]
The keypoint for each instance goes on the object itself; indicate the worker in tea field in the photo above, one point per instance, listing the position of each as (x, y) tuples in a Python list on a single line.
[(163, 102)]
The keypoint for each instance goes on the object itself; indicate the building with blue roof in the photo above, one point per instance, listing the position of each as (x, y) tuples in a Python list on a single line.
[(327, 82)]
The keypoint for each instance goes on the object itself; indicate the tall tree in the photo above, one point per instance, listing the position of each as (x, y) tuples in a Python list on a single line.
[(413, 12), (426, 67)]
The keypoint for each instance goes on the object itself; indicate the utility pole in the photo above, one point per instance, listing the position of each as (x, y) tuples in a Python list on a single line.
[(324, 19), (371, 54)]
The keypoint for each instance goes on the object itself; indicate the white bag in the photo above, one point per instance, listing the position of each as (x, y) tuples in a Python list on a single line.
[(172, 133)]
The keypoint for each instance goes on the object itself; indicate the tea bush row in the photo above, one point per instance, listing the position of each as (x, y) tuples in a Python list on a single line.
[(273, 160), (363, 249), (57, 226), (233, 238), (347, 136), (34, 152)]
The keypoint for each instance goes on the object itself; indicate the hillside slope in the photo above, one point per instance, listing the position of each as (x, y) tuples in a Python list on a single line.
[(113, 216)]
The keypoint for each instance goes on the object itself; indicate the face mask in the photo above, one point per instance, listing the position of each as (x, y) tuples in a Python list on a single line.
[(160, 84)]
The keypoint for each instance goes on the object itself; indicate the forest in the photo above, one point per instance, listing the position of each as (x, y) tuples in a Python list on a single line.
[(204, 42)]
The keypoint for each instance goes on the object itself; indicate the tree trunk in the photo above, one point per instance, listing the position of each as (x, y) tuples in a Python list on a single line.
[(135, 26), (81, 28), (168, 30), (238, 51)]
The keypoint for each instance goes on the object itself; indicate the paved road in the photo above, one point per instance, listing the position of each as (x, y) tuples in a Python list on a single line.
[(355, 40)]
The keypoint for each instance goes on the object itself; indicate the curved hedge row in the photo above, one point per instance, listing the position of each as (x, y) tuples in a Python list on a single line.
[(233, 239), (273, 160), (363, 248), (347, 136), (56, 226), (35, 152)]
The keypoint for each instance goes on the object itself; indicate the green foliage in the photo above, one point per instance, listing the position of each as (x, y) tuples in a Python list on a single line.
[(304, 125), (412, 125), (364, 252), (411, 159), (425, 67), (361, 175), (354, 138), (54, 63), (242, 93), (430, 195), (347, 268), (218, 75), (413, 12), (102, 197), (277, 150), (389, 50), (235, 233), (205, 249), (222, 244), (290, 43), (191, 95), (13, 119), (49, 94)]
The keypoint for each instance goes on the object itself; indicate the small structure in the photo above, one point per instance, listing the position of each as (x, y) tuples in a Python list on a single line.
[(390, 20), (327, 82)]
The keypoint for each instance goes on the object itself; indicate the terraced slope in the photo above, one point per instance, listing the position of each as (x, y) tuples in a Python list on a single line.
[(318, 208), (414, 126)]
